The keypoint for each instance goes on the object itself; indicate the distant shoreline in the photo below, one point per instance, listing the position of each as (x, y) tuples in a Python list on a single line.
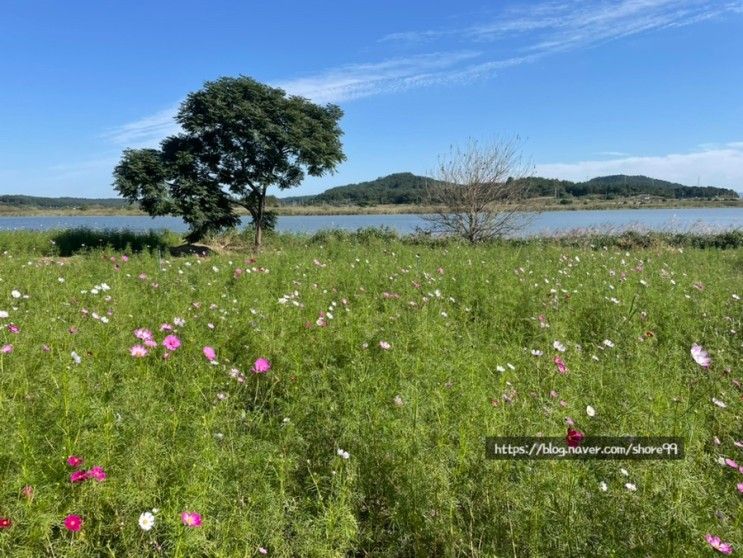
[(397, 209)]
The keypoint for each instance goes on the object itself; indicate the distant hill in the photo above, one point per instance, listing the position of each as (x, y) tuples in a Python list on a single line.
[(398, 188), (408, 188), (18, 200)]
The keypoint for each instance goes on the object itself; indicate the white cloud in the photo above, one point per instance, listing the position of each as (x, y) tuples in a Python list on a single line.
[(722, 167)]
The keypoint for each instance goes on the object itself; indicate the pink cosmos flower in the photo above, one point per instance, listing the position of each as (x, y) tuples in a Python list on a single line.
[(150, 343), (191, 519), (97, 473), (739, 486), (6, 349), (74, 461), (138, 351), (12, 328), (700, 356), (730, 463), (210, 353), (717, 544), (385, 345), (171, 342), (142, 334), (166, 327), (261, 366), (78, 477), (73, 522), (561, 366)]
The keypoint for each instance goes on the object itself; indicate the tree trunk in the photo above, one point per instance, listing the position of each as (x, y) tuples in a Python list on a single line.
[(259, 218)]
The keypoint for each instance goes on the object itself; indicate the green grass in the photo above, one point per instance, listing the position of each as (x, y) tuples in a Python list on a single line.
[(259, 459)]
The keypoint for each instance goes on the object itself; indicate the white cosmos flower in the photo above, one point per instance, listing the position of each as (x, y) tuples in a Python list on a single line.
[(499, 368), (719, 403), (608, 343), (536, 352), (15, 293), (559, 346), (630, 486), (146, 521), (4, 314), (603, 486), (590, 411), (344, 454)]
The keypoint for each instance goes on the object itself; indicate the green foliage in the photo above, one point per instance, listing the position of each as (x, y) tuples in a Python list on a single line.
[(239, 138), (258, 458)]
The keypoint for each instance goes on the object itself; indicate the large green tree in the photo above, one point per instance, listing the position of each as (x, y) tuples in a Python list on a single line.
[(239, 137)]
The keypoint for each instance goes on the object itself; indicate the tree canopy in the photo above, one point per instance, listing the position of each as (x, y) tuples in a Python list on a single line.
[(239, 137)]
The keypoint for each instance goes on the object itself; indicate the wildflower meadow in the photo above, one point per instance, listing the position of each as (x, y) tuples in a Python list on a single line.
[(331, 395)]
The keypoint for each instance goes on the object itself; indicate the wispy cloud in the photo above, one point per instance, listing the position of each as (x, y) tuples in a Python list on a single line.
[(720, 166), (147, 131), (397, 74)]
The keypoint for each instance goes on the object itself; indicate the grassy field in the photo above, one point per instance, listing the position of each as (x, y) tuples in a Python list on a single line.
[(390, 362)]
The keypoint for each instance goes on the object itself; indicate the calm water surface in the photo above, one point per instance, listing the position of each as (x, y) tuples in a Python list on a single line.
[(552, 222)]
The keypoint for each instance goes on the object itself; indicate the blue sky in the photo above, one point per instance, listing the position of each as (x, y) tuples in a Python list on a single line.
[(635, 86)]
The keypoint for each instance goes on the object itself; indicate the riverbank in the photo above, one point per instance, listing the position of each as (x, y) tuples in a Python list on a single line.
[(539, 204)]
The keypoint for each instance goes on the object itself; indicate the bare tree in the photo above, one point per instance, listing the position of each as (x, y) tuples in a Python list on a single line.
[(478, 191)]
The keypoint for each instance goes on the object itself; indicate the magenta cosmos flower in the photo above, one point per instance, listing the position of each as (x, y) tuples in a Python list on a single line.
[(73, 522), (74, 461), (210, 353), (191, 519), (78, 477), (5, 522), (574, 437), (96, 473), (717, 544), (171, 342), (700, 356), (138, 351), (261, 366)]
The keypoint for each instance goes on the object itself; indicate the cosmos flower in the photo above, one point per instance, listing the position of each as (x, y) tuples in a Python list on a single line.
[(561, 366), (343, 454), (171, 342), (97, 473), (717, 544), (78, 477), (146, 521), (385, 345), (700, 356), (559, 346), (574, 437), (6, 349), (73, 522), (590, 411), (142, 334), (261, 366), (74, 461), (191, 519), (210, 353), (5, 522), (138, 351)]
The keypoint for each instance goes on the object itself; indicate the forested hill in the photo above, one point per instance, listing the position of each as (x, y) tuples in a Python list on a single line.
[(22, 201), (398, 188), (408, 188)]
